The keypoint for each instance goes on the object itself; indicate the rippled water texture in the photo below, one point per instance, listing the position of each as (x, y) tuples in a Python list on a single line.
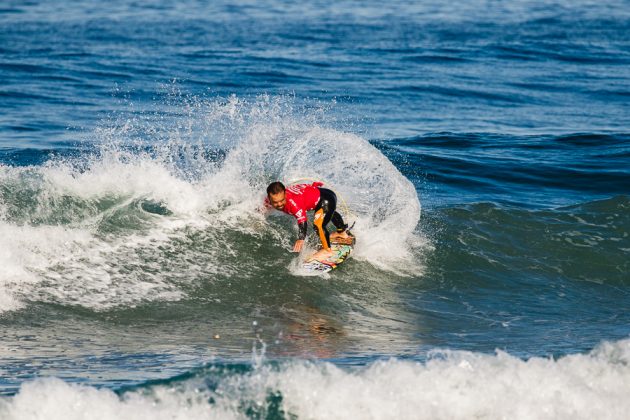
[(481, 148)]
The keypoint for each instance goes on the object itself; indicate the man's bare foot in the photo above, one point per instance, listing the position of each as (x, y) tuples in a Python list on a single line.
[(343, 238), (343, 235)]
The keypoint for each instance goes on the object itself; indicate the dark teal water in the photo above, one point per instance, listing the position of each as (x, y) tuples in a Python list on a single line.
[(482, 148)]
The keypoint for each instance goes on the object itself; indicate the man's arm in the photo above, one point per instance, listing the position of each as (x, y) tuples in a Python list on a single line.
[(300, 216), (302, 229)]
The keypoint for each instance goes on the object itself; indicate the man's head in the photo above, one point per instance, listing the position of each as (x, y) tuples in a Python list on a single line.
[(276, 194)]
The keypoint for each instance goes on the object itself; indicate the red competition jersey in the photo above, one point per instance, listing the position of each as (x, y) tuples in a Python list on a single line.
[(300, 199)]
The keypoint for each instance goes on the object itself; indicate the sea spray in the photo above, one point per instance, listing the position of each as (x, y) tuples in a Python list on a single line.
[(130, 209)]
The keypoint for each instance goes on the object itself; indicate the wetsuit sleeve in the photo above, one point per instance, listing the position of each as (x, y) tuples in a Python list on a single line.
[(302, 230), (300, 215)]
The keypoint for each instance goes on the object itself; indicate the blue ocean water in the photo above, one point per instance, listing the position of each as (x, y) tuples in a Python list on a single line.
[(482, 148)]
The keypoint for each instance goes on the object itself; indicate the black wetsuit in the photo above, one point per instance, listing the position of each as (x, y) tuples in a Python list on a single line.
[(328, 204)]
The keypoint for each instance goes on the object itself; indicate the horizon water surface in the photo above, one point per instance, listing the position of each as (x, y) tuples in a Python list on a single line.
[(482, 149)]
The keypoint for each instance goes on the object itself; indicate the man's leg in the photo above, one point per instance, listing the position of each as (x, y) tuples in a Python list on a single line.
[(320, 223), (324, 212), (339, 223), (328, 202)]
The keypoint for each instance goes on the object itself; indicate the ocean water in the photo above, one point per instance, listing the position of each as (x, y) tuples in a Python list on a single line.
[(481, 147)]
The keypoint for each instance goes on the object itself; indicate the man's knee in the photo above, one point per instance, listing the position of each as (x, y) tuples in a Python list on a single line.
[(318, 220)]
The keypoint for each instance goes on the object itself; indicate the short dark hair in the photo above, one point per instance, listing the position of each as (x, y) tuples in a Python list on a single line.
[(275, 188)]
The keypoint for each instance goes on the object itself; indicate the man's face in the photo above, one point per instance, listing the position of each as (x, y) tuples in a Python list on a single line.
[(278, 200)]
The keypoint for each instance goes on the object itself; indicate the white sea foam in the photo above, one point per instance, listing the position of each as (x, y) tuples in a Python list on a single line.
[(53, 399), (74, 262), (451, 385), (25, 250)]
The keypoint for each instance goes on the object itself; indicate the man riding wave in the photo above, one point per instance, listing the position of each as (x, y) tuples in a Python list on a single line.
[(297, 199)]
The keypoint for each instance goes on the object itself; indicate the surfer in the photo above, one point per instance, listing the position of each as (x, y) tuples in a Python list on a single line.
[(297, 199)]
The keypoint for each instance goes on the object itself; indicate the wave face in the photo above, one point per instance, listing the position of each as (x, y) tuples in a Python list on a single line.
[(122, 225), (448, 385)]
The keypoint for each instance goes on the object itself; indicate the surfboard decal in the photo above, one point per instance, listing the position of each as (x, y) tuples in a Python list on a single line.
[(340, 254)]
